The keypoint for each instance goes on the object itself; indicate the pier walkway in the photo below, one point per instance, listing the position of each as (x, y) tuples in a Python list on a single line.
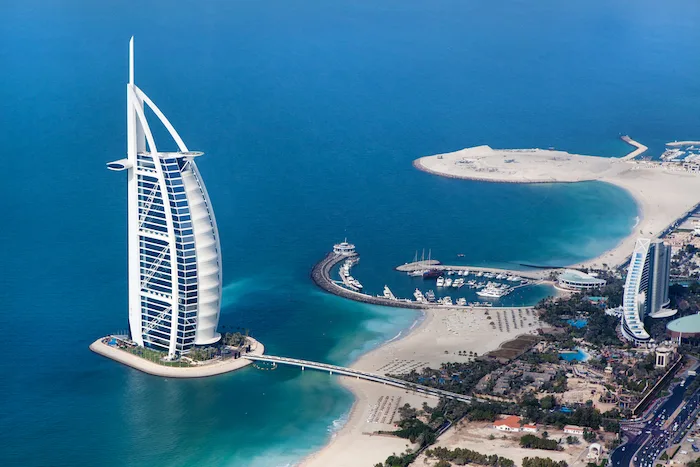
[(339, 370), (535, 274)]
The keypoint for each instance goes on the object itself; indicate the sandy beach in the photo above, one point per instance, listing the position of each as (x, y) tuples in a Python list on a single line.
[(662, 193), (438, 339)]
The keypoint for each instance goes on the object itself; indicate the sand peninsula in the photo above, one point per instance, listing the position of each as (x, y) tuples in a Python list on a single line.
[(664, 192)]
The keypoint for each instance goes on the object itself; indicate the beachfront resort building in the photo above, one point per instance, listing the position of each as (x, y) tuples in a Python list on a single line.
[(513, 423), (174, 250), (646, 288), (573, 430), (571, 279)]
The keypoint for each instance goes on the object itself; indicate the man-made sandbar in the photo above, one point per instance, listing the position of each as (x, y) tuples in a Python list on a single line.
[(199, 371), (662, 193)]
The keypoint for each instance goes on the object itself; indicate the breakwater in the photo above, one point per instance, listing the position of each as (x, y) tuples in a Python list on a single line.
[(321, 275), (539, 274)]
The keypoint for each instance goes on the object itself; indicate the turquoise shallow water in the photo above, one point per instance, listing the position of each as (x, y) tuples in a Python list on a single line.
[(310, 114)]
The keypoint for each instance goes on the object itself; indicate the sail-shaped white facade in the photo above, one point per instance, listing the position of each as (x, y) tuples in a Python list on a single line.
[(646, 288), (174, 249), (634, 296)]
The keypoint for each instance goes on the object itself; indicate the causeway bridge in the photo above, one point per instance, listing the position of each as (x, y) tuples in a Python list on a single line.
[(339, 370)]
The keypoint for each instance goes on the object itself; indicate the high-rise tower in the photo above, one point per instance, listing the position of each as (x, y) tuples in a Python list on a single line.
[(660, 274), (646, 288), (174, 249)]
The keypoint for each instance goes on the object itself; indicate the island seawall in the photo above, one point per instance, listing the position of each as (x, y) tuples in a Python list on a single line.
[(196, 371)]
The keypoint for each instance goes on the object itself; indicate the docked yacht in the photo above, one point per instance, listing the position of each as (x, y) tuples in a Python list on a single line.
[(493, 291), (462, 301), (447, 301), (458, 283), (430, 295), (419, 296), (388, 293), (440, 281), (448, 282)]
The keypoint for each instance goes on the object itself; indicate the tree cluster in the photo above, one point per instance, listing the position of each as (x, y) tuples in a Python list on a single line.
[(461, 456), (543, 462), (531, 441)]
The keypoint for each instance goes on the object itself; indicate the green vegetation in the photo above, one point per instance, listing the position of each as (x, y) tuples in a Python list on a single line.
[(457, 377), (695, 463), (589, 436), (202, 354), (421, 427), (534, 442), (537, 411), (466, 456), (235, 339), (154, 356), (599, 330), (543, 462)]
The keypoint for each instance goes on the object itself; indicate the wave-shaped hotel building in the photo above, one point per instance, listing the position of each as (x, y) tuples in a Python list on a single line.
[(646, 288), (174, 249)]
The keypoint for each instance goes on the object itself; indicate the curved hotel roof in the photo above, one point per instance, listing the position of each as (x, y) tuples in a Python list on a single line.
[(578, 279), (688, 326)]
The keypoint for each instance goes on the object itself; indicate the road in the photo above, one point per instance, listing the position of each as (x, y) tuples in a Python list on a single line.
[(650, 438)]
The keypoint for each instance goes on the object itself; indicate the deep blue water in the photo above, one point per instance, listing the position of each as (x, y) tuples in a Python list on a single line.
[(310, 113)]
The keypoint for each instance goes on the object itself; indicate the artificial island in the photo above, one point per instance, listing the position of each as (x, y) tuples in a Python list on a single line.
[(174, 253)]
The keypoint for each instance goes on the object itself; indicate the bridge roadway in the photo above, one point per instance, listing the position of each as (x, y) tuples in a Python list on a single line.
[(360, 375)]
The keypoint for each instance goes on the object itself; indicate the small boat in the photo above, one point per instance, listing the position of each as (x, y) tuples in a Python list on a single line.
[(430, 295), (447, 301), (460, 255), (440, 281), (461, 301), (458, 283), (448, 282)]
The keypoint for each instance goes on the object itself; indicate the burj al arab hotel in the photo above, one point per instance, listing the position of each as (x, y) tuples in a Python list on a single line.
[(174, 250)]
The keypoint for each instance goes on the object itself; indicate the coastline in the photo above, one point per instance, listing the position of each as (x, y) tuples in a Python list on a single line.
[(662, 195), (661, 198), (435, 337)]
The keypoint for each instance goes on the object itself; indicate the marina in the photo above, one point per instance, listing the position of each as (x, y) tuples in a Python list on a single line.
[(488, 284)]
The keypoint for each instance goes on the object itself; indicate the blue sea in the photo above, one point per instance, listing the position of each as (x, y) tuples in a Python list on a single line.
[(310, 113)]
